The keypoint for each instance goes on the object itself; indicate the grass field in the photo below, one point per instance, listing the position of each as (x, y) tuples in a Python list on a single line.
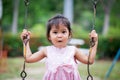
[(35, 71)]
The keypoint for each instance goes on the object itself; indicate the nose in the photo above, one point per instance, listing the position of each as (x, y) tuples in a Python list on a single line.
[(59, 35)]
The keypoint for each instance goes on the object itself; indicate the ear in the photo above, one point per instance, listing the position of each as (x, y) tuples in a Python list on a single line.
[(49, 38), (70, 35)]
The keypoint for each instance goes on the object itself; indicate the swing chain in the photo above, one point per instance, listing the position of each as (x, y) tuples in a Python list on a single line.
[(23, 74), (94, 2), (88, 69), (92, 41), (25, 38), (26, 2)]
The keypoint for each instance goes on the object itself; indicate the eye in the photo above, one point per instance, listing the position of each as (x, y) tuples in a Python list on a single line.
[(63, 32), (55, 32)]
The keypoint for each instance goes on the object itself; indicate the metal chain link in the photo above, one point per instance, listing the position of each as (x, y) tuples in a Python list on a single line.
[(23, 74), (92, 41)]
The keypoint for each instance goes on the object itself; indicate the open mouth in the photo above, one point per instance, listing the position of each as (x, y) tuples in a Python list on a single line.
[(59, 41)]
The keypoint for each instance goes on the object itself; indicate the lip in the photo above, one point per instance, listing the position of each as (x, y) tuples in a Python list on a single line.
[(60, 41)]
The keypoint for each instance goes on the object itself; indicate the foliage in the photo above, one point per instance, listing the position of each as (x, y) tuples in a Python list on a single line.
[(7, 14), (108, 47), (114, 32), (38, 30), (39, 11), (79, 32), (13, 44)]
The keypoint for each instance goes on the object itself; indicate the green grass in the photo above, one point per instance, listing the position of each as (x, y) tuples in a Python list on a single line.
[(98, 69)]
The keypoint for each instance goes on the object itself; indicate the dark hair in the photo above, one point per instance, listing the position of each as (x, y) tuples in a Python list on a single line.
[(55, 21)]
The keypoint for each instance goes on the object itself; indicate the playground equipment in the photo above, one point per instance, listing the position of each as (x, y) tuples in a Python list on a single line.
[(112, 65), (92, 41), (23, 74)]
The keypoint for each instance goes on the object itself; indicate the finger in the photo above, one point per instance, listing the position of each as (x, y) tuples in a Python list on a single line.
[(24, 30), (24, 34), (29, 33), (93, 34), (93, 31)]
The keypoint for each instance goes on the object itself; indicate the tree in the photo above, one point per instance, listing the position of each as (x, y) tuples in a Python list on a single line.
[(68, 9), (15, 16), (1, 11), (107, 8)]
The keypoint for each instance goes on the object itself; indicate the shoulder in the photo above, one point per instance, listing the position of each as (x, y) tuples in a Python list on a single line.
[(75, 49), (44, 51), (47, 49), (71, 47)]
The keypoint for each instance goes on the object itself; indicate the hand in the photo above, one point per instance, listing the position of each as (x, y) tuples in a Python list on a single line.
[(25, 35), (93, 35)]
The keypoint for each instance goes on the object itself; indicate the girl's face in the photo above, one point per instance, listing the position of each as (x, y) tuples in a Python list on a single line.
[(59, 36)]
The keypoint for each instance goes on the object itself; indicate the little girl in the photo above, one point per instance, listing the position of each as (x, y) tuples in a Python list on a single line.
[(60, 58)]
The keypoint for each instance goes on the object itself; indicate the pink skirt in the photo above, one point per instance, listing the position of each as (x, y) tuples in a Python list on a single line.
[(64, 72)]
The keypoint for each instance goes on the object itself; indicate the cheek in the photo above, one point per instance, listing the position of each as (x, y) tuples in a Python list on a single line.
[(51, 38)]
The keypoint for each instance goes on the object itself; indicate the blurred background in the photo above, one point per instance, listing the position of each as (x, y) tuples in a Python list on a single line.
[(81, 15)]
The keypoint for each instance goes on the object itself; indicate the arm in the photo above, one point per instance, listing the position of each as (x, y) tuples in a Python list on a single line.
[(29, 57), (93, 53), (84, 58)]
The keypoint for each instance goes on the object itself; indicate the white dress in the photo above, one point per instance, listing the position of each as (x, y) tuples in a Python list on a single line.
[(61, 64)]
